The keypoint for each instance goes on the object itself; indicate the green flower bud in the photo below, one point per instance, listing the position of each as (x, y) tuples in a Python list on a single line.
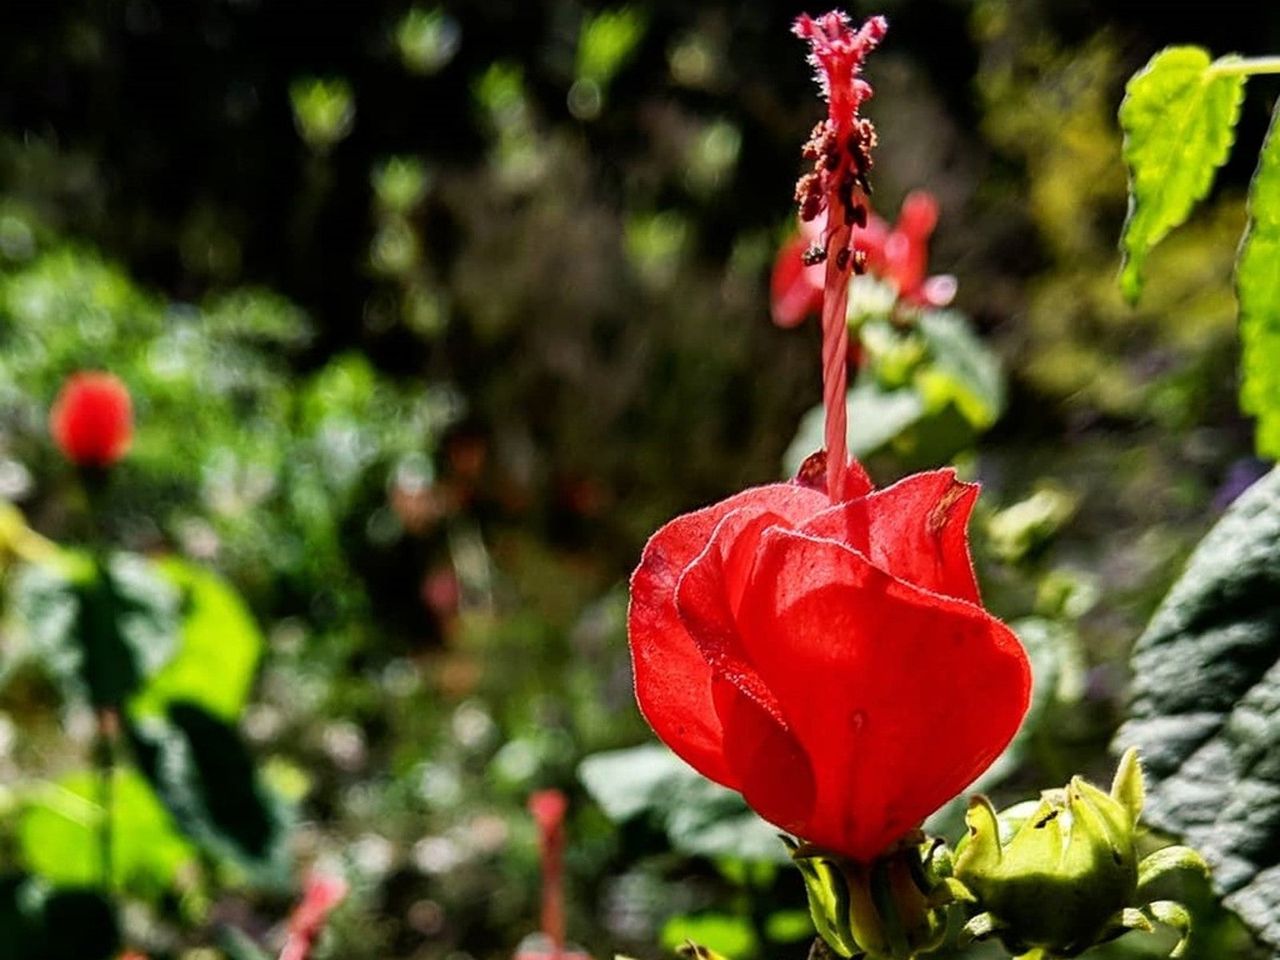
[(891, 908), (1062, 875)]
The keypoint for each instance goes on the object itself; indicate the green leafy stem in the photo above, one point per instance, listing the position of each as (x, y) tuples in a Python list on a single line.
[(1244, 66), (1179, 117)]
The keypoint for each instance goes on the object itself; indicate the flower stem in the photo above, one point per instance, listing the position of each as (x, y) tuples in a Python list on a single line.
[(835, 352), (104, 758), (1249, 66)]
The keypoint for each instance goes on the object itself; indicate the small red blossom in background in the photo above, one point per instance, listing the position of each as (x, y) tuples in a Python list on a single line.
[(897, 254), (92, 419), (322, 893), (821, 646), (548, 808)]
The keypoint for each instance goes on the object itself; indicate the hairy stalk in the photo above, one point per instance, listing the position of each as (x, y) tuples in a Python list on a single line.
[(1249, 66)]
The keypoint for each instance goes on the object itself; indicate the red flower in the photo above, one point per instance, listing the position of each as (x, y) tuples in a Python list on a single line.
[(795, 288), (92, 419), (548, 808), (321, 894), (901, 254), (820, 646), (897, 254), (829, 660)]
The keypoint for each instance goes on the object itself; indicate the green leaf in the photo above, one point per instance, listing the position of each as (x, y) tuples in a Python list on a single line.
[(954, 387), (219, 649), (963, 371), (1179, 118), (102, 633), (788, 926), (607, 39), (1206, 695), (60, 829), (876, 416), (724, 933), (204, 775), (39, 923), (1258, 288), (699, 817)]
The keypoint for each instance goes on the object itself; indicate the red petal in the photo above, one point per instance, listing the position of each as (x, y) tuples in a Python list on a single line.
[(916, 530), (795, 291), (918, 214), (774, 772), (813, 474), (899, 697), (673, 681)]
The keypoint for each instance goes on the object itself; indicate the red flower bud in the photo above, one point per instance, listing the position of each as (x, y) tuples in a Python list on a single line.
[(831, 661), (548, 808), (320, 896), (92, 419)]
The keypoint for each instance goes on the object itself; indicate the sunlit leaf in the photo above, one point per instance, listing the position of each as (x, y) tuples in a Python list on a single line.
[(219, 646), (324, 110), (1258, 287), (726, 934), (699, 817), (1179, 118), (60, 833), (963, 372), (607, 39)]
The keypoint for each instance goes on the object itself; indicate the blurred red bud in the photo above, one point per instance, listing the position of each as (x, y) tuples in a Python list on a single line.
[(92, 419)]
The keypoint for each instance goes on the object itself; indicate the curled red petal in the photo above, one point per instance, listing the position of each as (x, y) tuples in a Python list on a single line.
[(795, 290), (812, 473), (899, 697), (917, 530), (918, 214), (672, 679), (773, 770), (709, 594)]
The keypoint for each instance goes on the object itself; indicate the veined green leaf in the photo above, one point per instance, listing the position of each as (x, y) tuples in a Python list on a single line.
[(1258, 287), (1205, 693), (1179, 118)]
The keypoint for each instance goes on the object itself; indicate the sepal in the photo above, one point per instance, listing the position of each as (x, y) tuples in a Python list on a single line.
[(891, 908)]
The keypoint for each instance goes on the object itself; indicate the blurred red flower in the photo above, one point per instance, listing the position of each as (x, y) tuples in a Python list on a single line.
[(92, 419), (898, 254), (548, 808), (320, 896)]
